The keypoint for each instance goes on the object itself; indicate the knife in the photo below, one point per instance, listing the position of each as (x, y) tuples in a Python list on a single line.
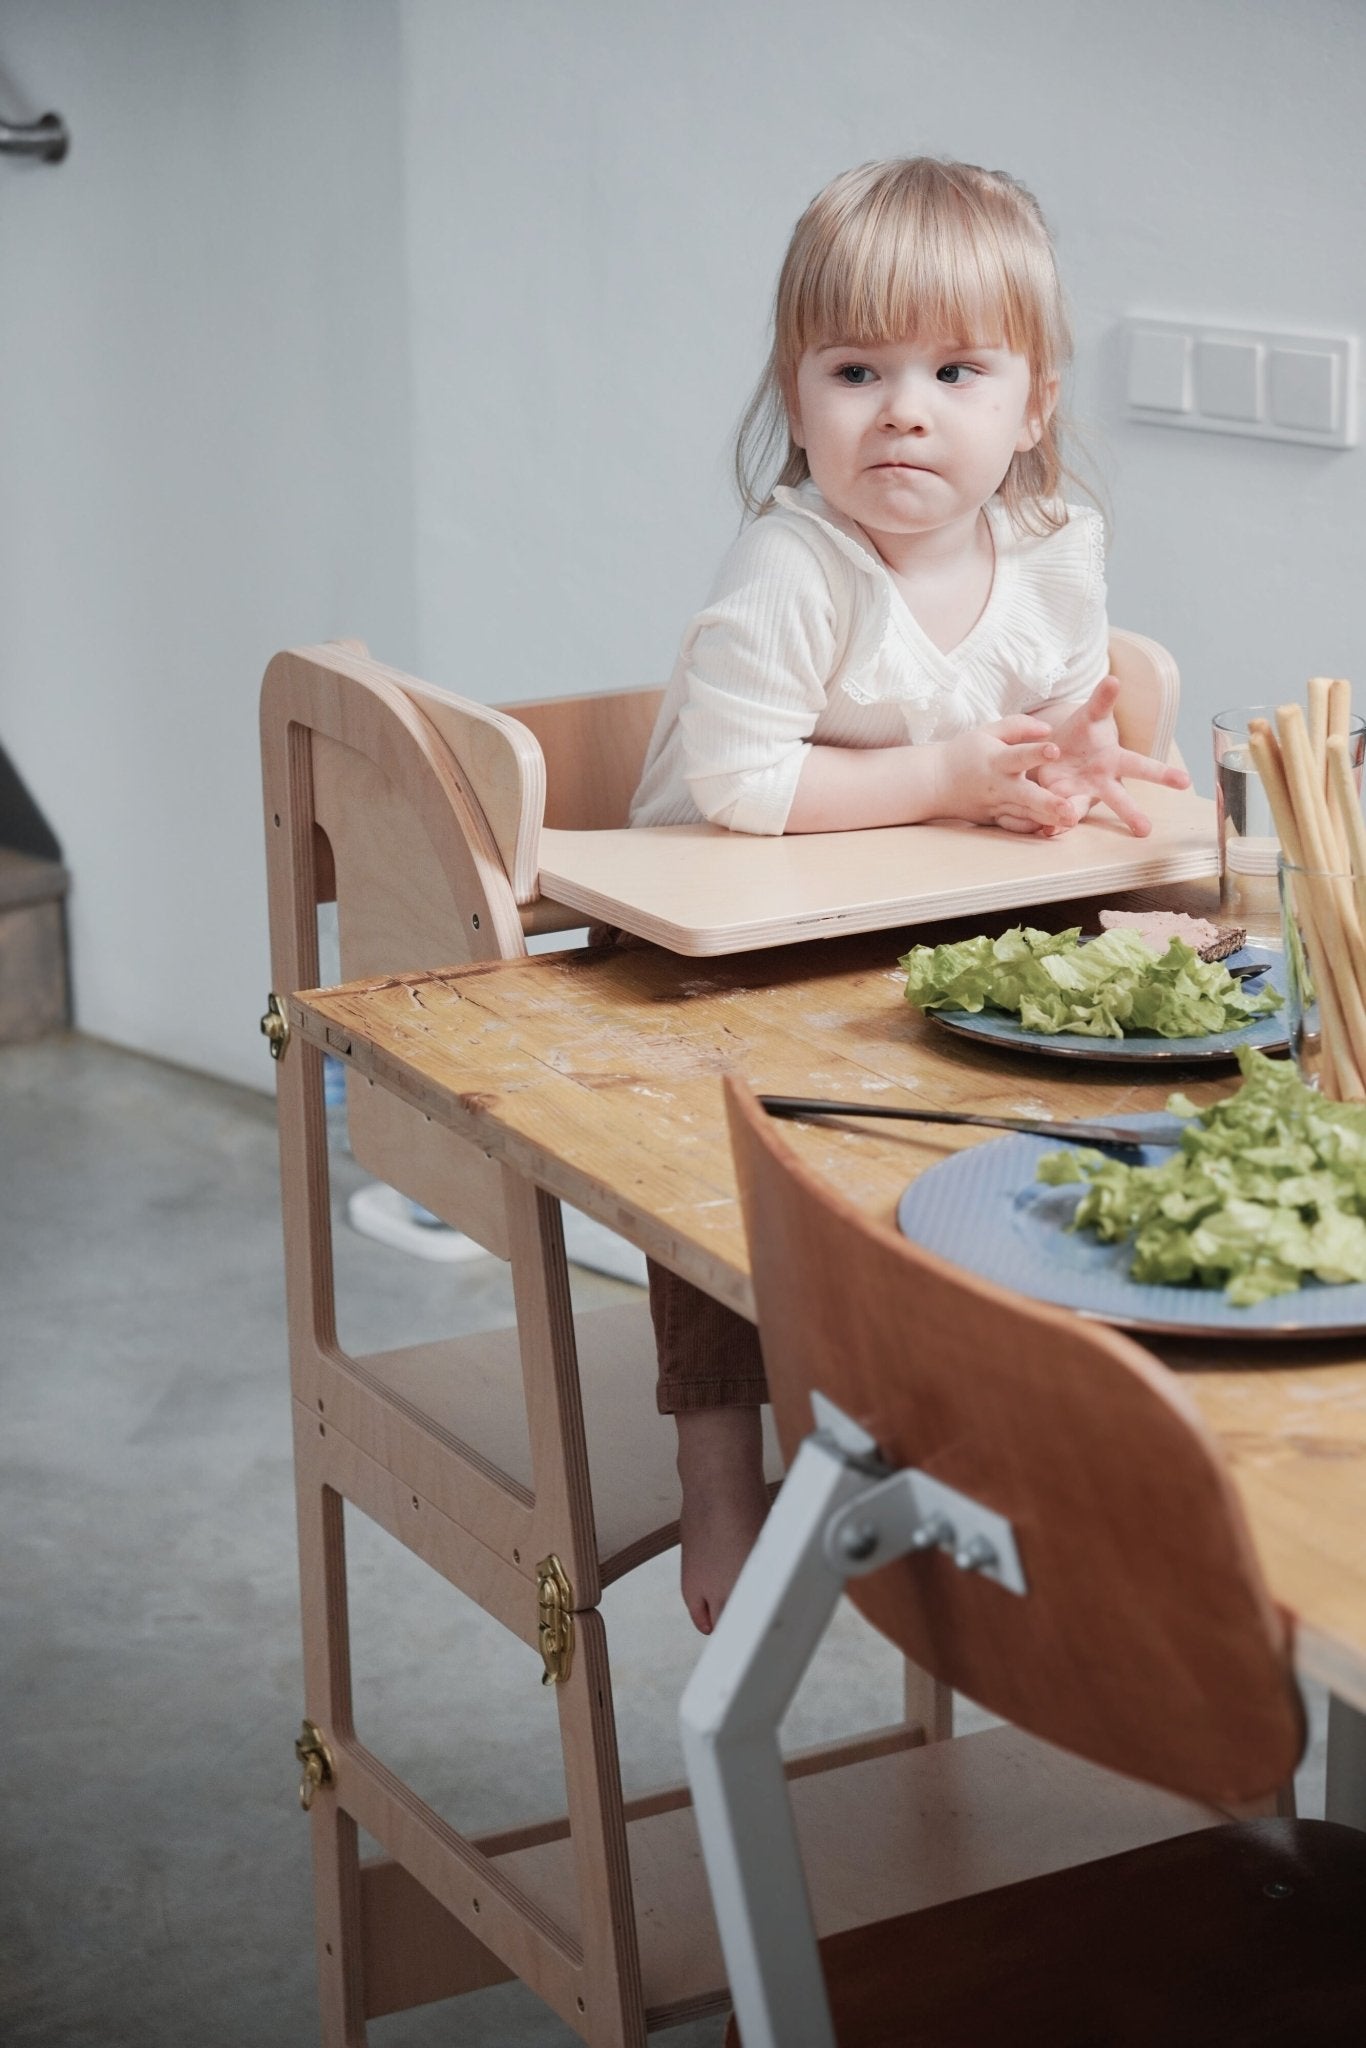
[(1164, 1131)]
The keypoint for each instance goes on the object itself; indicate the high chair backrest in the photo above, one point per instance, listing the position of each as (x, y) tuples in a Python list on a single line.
[(1150, 693), (571, 763), (365, 804), (1146, 1640), (413, 809)]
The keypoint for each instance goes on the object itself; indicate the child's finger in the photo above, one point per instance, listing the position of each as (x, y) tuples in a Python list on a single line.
[(1101, 701), (1025, 758), (1126, 810), (1020, 726), (1145, 768), (1048, 810), (1011, 818)]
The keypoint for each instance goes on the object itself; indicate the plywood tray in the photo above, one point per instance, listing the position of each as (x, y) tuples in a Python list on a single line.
[(703, 891)]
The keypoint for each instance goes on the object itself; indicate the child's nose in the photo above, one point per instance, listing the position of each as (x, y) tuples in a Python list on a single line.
[(905, 405)]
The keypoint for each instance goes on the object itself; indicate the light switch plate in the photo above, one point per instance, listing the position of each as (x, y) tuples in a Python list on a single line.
[(1160, 371), (1303, 388), (1227, 380)]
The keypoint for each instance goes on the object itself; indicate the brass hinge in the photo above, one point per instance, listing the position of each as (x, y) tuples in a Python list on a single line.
[(313, 1753), (275, 1026), (556, 1627)]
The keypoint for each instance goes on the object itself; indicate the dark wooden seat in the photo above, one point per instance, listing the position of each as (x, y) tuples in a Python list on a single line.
[(1249, 1935), (1145, 1641)]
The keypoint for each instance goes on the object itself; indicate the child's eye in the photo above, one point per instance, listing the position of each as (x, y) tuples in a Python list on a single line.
[(957, 373), (854, 373)]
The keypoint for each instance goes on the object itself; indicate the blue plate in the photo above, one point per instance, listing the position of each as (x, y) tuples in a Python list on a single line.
[(1268, 1034), (983, 1209)]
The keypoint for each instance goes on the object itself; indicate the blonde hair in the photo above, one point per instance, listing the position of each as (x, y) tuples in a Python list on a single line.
[(917, 246)]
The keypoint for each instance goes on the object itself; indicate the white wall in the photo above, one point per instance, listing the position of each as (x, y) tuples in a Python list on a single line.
[(204, 456), (430, 320), (599, 195)]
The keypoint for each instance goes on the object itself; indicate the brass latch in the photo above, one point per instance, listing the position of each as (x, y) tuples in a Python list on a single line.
[(275, 1026), (556, 1627), (316, 1758)]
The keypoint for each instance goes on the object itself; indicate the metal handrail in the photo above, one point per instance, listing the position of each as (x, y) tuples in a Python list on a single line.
[(46, 138)]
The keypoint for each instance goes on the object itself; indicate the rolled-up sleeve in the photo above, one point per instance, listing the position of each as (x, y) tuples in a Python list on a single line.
[(756, 664)]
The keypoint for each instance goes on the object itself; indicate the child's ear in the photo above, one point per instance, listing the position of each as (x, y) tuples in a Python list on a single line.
[(1032, 431), (794, 417)]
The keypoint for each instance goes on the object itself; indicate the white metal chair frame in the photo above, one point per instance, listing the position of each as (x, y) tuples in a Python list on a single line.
[(841, 1512)]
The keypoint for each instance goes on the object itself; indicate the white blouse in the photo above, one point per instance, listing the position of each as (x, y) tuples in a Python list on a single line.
[(807, 639)]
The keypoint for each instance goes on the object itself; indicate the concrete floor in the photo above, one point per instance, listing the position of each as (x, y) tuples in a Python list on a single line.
[(155, 1885)]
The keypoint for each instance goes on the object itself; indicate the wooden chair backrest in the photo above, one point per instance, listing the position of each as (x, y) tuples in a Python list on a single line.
[(366, 803), (420, 813), (569, 762), (594, 750), (1147, 1641), (1150, 694)]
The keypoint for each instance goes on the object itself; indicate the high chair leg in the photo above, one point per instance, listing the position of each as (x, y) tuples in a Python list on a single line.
[(613, 1999), (327, 1695), (336, 1894)]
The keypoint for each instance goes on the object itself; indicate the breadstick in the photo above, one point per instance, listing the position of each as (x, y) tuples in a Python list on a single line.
[(1319, 834), (1332, 909), (1267, 760), (1340, 727), (1304, 774), (1319, 687), (1320, 697), (1339, 707), (1342, 785)]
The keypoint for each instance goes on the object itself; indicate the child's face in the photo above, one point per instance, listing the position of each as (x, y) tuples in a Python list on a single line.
[(910, 437)]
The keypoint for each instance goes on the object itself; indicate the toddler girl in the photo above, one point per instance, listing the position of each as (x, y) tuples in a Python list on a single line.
[(912, 627)]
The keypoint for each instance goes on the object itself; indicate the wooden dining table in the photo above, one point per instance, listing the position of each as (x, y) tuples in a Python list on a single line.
[(596, 1073)]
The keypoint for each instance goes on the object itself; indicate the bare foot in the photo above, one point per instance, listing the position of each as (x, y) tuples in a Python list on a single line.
[(721, 1465)]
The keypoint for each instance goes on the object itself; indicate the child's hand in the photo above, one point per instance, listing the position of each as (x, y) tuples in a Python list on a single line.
[(992, 775), (1090, 763)]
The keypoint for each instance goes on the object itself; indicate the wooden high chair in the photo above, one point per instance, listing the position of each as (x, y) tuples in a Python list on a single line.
[(419, 812), (1026, 1504), (473, 1453)]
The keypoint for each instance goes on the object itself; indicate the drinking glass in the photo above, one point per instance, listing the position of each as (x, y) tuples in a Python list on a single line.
[(1323, 1000), (1248, 846)]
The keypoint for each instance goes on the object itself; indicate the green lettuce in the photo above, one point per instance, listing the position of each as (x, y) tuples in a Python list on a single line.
[(1113, 986), (1267, 1190)]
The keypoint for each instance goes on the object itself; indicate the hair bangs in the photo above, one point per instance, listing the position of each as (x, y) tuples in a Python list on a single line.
[(894, 271)]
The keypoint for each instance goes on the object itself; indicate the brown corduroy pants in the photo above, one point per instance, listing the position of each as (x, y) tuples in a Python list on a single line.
[(708, 1355)]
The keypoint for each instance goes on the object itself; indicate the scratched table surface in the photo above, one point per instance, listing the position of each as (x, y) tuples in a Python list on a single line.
[(597, 1074)]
